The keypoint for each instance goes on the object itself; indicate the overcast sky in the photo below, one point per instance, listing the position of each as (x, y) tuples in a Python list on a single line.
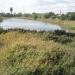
[(29, 6)]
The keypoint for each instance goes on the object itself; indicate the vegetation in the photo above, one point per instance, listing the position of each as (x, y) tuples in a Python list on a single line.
[(67, 16), (1, 19), (25, 52), (69, 25), (37, 53), (49, 15), (67, 21), (35, 16)]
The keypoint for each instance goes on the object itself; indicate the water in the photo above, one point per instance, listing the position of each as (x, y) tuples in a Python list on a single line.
[(28, 25)]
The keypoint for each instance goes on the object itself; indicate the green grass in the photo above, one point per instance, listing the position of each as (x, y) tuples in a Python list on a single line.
[(1, 19), (66, 24), (36, 53)]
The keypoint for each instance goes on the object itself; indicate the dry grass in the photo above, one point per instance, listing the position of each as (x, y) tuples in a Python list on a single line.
[(67, 24), (28, 53)]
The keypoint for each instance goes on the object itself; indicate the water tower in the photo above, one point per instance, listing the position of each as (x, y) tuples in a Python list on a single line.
[(11, 10)]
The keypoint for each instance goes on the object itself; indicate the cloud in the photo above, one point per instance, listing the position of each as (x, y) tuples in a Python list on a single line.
[(57, 5), (70, 1), (29, 6)]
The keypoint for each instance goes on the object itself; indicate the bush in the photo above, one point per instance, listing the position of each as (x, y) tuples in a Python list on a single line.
[(1, 19), (55, 56), (1, 30), (49, 15), (71, 15), (35, 16), (60, 32), (35, 56), (60, 37)]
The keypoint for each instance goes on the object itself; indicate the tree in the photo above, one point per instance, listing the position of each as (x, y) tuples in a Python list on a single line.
[(1, 19), (49, 15), (35, 16), (71, 15)]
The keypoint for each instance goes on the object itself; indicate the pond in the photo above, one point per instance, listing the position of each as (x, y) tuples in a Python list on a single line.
[(13, 23)]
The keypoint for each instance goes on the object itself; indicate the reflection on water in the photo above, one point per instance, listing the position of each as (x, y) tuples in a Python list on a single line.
[(28, 25)]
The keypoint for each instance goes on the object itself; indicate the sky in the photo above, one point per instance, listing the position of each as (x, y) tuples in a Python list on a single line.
[(39, 6)]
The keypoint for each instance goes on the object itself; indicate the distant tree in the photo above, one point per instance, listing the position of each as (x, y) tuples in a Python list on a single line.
[(19, 14), (46, 15), (8, 15), (35, 16), (49, 15), (71, 15), (2, 14), (1, 19), (27, 15), (68, 16), (62, 17)]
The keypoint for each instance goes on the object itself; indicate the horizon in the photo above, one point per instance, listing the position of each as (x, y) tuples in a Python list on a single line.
[(38, 6)]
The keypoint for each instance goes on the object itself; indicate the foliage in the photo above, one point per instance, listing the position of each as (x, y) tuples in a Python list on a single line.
[(1, 30), (35, 16), (71, 15), (49, 15), (27, 53), (1, 19), (60, 37), (67, 16)]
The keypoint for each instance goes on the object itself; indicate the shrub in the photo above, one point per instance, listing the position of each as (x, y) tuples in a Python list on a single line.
[(35, 16), (55, 56), (60, 32), (1, 19), (59, 36), (1, 30)]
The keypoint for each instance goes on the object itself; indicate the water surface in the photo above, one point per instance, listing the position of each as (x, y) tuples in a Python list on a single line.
[(28, 25)]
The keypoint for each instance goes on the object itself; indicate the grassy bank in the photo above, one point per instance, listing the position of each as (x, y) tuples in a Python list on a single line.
[(1, 19), (67, 24), (36, 53)]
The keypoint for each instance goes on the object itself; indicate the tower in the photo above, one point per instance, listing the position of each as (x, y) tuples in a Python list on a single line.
[(11, 10)]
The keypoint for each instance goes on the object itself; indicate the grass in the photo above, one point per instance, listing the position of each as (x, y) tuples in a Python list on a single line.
[(36, 53), (1, 19), (66, 24), (69, 25)]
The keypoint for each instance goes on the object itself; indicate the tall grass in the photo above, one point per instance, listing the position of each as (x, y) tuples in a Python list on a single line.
[(1, 19), (31, 53), (66, 24)]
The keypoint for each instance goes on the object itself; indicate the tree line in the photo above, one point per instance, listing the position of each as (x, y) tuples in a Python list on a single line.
[(67, 16)]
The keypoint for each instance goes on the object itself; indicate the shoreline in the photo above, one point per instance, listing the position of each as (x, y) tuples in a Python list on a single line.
[(66, 24)]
